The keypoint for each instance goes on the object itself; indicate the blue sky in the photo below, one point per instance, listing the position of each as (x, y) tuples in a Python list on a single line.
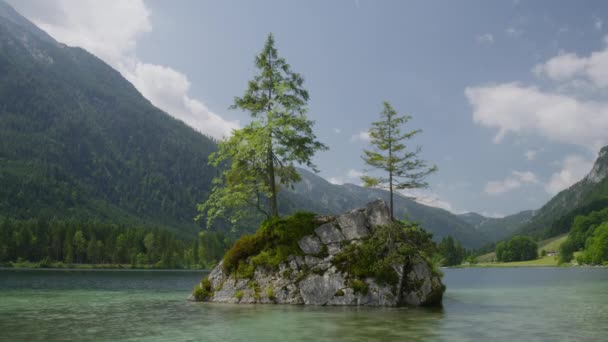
[(510, 95)]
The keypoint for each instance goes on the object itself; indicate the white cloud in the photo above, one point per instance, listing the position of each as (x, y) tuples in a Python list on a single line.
[(573, 169), (493, 215), (361, 136), (514, 181), (432, 201), (337, 130), (522, 110), (109, 29), (531, 154), (513, 32), (567, 66), (597, 23), (485, 38), (336, 180), (352, 176)]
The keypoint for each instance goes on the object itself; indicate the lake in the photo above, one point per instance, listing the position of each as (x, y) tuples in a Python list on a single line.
[(481, 304)]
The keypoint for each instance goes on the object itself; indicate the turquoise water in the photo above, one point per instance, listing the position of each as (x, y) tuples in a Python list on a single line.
[(519, 304)]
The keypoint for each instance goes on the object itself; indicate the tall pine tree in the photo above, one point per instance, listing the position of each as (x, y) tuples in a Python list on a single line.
[(401, 164), (261, 155)]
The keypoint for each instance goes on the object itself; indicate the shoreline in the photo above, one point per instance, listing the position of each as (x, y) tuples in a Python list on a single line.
[(103, 269), (85, 267)]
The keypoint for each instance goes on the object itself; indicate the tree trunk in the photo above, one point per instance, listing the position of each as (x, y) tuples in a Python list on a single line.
[(274, 207), (390, 166), (391, 192)]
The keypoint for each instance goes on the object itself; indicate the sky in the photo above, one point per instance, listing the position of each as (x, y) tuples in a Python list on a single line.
[(511, 96)]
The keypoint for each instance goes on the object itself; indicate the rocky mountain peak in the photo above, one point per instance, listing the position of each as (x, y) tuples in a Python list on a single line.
[(600, 168)]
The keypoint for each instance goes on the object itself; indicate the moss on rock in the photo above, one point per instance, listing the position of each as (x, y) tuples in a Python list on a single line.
[(276, 239)]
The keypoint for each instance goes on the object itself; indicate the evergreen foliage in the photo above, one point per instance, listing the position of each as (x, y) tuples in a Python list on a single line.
[(451, 251), (263, 153), (405, 170), (40, 241)]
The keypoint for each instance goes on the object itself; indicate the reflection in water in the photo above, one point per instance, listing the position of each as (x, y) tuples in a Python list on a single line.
[(480, 304)]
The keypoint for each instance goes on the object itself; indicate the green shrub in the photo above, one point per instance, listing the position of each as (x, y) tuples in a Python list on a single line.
[(244, 270), (359, 286), (518, 248), (270, 294), (239, 295), (339, 293), (203, 291), (375, 256)]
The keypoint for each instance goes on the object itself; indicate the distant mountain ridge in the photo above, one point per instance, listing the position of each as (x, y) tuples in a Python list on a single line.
[(495, 229), (317, 194)]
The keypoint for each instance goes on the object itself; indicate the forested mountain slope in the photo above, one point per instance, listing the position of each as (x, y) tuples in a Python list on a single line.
[(79, 140)]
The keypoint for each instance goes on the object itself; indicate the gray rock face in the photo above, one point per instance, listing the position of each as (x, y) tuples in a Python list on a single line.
[(318, 290), (312, 279), (310, 245), (329, 233), (378, 213), (353, 225)]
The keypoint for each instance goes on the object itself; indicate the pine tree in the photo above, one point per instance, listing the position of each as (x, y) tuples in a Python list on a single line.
[(261, 156), (405, 170)]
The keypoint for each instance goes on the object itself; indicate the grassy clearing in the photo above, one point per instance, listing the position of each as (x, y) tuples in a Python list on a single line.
[(551, 244)]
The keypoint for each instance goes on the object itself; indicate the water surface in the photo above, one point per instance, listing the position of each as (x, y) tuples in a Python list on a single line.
[(519, 304)]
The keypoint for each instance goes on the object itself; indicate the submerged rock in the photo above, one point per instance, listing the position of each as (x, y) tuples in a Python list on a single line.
[(319, 273)]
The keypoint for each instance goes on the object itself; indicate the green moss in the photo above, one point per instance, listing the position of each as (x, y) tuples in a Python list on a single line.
[(270, 246), (239, 295), (203, 291), (339, 293)]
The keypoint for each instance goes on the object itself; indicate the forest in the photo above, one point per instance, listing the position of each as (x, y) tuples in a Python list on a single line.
[(58, 243)]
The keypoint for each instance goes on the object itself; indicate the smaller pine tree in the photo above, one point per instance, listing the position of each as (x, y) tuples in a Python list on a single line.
[(403, 168)]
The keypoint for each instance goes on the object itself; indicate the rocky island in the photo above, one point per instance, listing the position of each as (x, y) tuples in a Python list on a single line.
[(358, 258)]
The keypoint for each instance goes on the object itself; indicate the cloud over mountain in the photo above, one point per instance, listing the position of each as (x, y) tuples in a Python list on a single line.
[(110, 30)]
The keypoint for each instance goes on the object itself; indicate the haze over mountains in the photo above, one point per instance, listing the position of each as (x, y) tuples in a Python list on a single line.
[(79, 141)]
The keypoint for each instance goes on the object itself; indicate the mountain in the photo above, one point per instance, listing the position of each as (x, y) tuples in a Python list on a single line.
[(79, 141), (496, 229), (589, 194), (319, 195)]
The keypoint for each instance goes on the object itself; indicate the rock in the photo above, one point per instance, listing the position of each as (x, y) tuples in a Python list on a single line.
[(329, 233), (353, 225), (378, 213), (421, 287), (318, 290), (334, 248), (311, 261), (310, 244), (306, 277), (347, 296)]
